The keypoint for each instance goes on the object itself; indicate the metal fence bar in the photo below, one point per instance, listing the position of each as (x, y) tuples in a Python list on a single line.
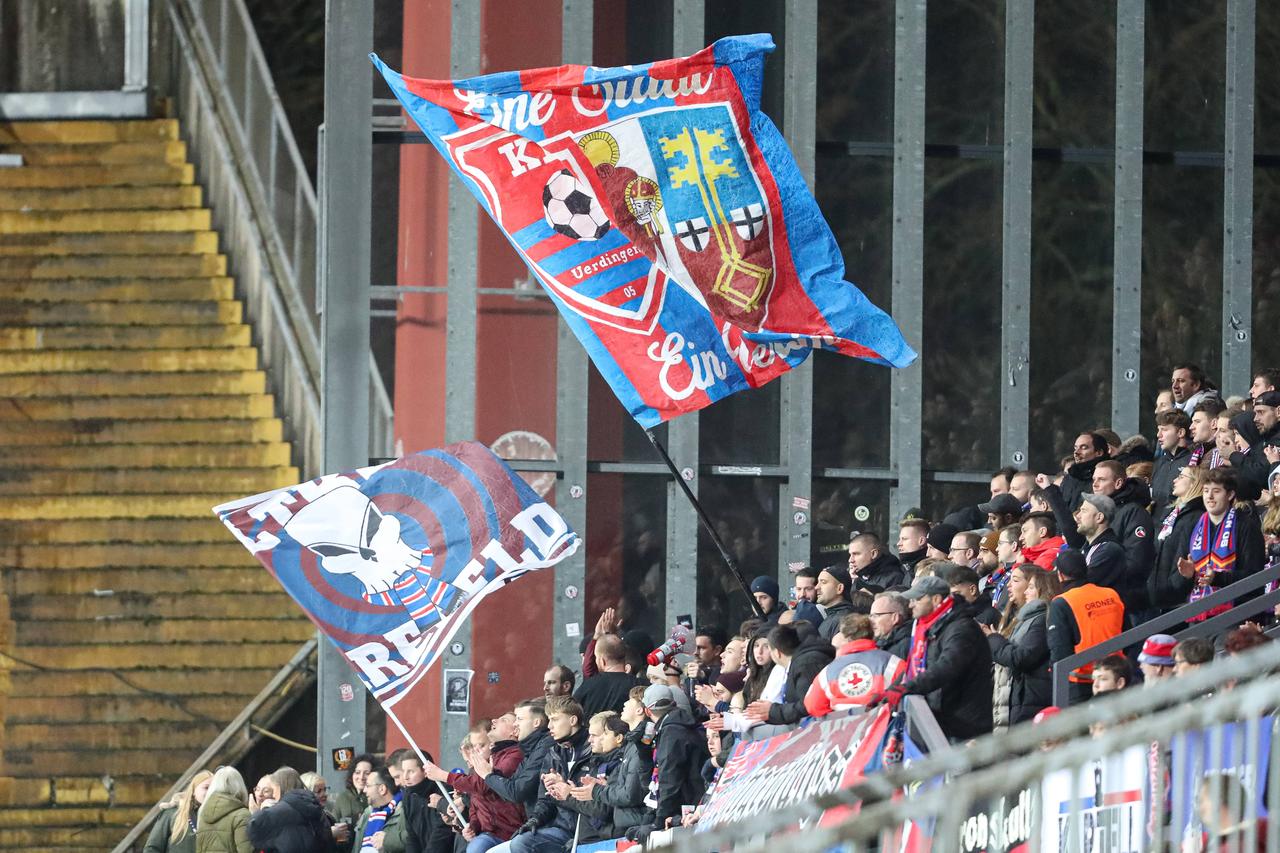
[(1226, 595), (577, 27), (1015, 305), (461, 318), (688, 30), (795, 407), (1126, 298), (906, 403), (348, 157), (1006, 761), (1237, 198)]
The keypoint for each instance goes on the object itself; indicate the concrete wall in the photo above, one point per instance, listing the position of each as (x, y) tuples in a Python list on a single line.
[(61, 45)]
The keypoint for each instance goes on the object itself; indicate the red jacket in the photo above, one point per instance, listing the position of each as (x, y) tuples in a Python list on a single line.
[(1044, 553), (860, 672), (489, 812)]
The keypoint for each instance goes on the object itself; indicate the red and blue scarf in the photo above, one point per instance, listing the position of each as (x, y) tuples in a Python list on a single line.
[(1212, 554), (917, 660)]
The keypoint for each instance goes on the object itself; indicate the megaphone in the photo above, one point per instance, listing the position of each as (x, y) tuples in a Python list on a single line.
[(676, 643)]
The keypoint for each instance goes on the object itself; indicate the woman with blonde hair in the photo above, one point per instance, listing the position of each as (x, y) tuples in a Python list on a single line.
[(1022, 646), (222, 825), (175, 830), (1165, 586)]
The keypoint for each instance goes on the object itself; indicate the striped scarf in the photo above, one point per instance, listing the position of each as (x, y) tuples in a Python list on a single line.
[(918, 658), (377, 820), (1212, 554)]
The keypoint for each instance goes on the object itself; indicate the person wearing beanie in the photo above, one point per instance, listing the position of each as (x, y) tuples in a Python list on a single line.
[(834, 587), (1084, 615), (938, 542), (765, 590), (1156, 658)]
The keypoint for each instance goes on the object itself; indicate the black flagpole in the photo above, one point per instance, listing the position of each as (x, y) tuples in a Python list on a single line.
[(706, 523)]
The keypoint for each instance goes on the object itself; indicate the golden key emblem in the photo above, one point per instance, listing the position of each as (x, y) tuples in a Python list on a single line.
[(738, 281)]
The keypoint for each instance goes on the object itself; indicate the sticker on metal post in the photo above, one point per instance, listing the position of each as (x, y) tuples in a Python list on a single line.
[(573, 629), (346, 692), (342, 757)]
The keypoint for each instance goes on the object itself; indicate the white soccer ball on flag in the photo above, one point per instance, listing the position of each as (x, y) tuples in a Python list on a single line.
[(571, 209)]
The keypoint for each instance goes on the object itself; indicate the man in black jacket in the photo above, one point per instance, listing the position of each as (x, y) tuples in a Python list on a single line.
[(550, 825), (1088, 529), (1089, 449), (891, 621), (1258, 430), (873, 567), (679, 751), (1173, 430), (535, 742), (425, 830), (1132, 527), (803, 654), (834, 588), (608, 689), (949, 662)]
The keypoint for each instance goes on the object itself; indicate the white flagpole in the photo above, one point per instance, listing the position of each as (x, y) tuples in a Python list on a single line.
[(444, 792)]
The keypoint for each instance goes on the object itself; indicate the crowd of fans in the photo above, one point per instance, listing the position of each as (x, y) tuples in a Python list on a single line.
[(971, 613)]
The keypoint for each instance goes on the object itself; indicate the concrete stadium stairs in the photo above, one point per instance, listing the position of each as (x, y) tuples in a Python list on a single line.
[(133, 627)]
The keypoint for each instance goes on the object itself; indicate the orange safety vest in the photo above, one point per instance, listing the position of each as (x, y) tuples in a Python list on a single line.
[(1099, 617)]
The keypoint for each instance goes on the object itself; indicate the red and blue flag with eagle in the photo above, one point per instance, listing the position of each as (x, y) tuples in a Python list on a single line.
[(664, 214), (388, 561)]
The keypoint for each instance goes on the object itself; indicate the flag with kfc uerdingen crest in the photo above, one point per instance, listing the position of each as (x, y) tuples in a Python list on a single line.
[(664, 214)]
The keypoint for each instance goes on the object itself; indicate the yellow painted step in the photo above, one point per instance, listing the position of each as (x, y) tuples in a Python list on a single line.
[(98, 432), (245, 455), (158, 656), (189, 605), (109, 506), (108, 762), (126, 631), (76, 177), (230, 686), (176, 735), (80, 838), (119, 243), (133, 481), (118, 708), (206, 542), (103, 198), (167, 152), (127, 361), (114, 313), (105, 220), (212, 288), (135, 384), (149, 580), (122, 337), (125, 791), (70, 817), (30, 132), (68, 408), (98, 267)]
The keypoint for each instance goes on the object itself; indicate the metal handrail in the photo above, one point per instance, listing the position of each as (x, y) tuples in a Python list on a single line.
[(1226, 595), (1008, 759), (235, 728), (275, 200)]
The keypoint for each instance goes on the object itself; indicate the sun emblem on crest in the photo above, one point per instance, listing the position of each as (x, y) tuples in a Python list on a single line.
[(600, 148)]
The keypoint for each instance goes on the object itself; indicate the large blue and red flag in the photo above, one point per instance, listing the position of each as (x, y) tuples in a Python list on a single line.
[(388, 561), (664, 214)]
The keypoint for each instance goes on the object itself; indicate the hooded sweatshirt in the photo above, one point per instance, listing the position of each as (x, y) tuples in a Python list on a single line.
[(296, 824)]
